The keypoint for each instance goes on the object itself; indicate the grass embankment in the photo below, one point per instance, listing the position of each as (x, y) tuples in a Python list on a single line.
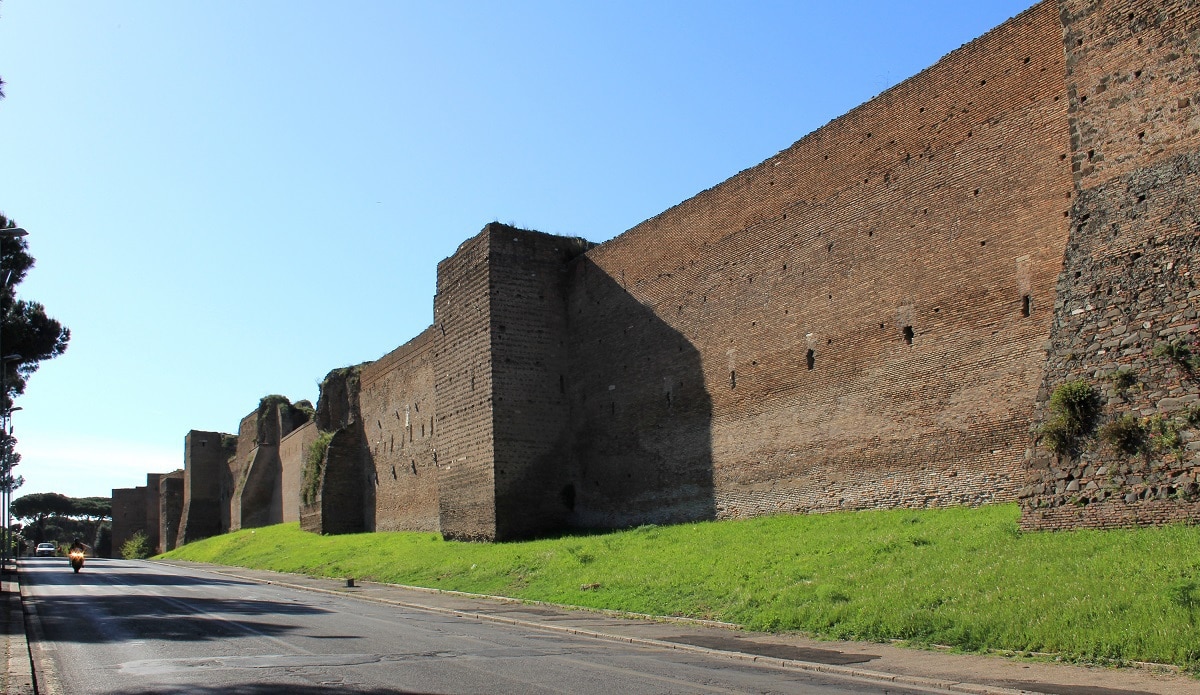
[(962, 577)]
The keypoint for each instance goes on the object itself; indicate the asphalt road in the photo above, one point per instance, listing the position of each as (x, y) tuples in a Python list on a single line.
[(138, 627)]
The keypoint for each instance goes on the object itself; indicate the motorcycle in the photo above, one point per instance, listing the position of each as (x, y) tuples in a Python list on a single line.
[(76, 560)]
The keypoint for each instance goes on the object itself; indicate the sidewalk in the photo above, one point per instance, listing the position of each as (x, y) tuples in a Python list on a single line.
[(889, 664), (17, 677)]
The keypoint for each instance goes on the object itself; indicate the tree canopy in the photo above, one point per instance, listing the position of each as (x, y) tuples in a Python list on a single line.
[(38, 505), (27, 330)]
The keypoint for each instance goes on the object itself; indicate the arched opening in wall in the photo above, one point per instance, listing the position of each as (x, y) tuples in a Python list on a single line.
[(1025, 305), (810, 359), (908, 335)]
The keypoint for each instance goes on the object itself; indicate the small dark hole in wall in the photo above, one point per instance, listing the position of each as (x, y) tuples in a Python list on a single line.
[(733, 379), (983, 243), (810, 359), (1025, 305), (908, 334), (567, 495)]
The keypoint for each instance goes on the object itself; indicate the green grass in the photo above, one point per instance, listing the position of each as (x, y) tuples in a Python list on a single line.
[(963, 577)]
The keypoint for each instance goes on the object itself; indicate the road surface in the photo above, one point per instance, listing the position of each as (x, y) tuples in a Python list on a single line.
[(140, 627)]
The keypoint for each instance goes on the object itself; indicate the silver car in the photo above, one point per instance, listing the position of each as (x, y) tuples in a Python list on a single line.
[(46, 550)]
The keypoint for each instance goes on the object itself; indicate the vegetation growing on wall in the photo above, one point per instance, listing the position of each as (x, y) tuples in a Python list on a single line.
[(1075, 406), (314, 465), (1179, 353)]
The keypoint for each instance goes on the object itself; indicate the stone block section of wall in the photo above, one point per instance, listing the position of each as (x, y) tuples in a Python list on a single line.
[(206, 465), (856, 322), (128, 515), (1128, 287), (170, 505), (463, 392), (396, 401)]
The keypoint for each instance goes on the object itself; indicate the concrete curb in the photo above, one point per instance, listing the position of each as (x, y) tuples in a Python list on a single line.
[(867, 675), (18, 666), (46, 679)]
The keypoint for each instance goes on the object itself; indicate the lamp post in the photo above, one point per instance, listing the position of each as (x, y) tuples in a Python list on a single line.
[(6, 484)]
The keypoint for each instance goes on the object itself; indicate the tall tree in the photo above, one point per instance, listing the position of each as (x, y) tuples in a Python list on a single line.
[(27, 330)]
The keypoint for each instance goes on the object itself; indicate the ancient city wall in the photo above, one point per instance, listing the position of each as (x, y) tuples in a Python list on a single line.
[(1128, 289), (396, 399), (876, 316), (856, 322)]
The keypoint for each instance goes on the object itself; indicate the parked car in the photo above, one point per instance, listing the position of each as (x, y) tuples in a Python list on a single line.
[(46, 550)]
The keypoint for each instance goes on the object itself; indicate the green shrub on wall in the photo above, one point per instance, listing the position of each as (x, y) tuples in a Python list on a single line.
[(1075, 406), (1126, 434)]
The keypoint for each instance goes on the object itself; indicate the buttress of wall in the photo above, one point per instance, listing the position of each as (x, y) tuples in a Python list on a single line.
[(866, 310), (535, 483), (151, 523), (205, 459), (235, 471), (293, 452), (170, 505), (398, 414), (463, 393), (1129, 279)]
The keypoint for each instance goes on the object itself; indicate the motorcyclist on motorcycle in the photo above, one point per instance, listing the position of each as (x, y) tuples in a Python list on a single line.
[(76, 553)]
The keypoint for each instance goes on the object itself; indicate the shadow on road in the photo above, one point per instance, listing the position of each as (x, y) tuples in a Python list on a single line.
[(98, 571), (106, 619)]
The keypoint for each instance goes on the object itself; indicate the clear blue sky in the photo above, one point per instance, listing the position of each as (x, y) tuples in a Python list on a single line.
[(229, 199)]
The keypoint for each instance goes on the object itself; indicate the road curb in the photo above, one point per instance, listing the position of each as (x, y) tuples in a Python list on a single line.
[(45, 671), (948, 686), (18, 668)]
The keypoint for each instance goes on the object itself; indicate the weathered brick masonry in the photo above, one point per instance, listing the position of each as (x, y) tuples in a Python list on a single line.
[(874, 317), (854, 307)]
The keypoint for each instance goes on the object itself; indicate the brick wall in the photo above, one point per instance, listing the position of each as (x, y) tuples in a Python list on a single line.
[(128, 515), (293, 451), (854, 307), (396, 400), (535, 484), (151, 505), (463, 392), (1128, 282)]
